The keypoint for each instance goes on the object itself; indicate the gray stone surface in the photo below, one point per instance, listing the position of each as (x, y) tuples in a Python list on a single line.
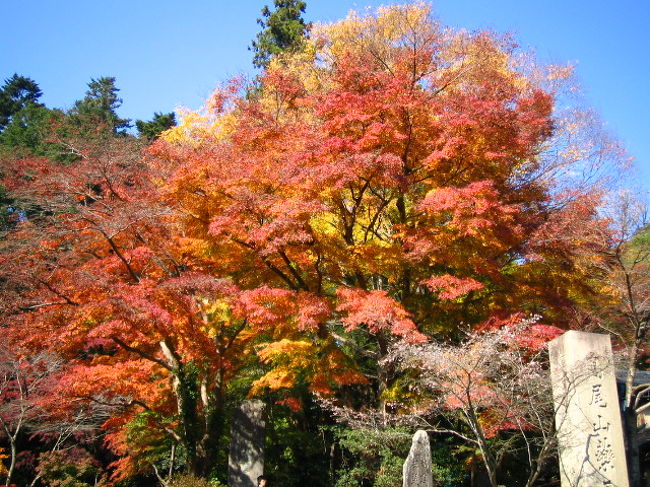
[(246, 459), (417, 471), (588, 418)]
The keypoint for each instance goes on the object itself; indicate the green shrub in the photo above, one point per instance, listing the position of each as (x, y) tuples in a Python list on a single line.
[(74, 467), (187, 480), (372, 458)]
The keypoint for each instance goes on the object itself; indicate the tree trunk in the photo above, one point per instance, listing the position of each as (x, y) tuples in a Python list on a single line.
[(12, 464), (187, 412), (385, 373), (488, 460), (172, 460), (207, 447), (186, 392)]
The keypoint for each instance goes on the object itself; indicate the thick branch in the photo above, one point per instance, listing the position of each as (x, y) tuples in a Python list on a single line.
[(141, 353)]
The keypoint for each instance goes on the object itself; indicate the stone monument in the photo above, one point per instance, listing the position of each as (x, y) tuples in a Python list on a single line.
[(246, 458), (417, 469), (587, 411)]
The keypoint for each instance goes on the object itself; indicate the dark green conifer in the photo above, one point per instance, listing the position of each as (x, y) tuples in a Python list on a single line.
[(17, 93), (101, 103), (153, 128), (282, 29)]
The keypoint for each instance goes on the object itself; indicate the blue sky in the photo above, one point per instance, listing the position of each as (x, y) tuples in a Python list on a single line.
[(171, 53)]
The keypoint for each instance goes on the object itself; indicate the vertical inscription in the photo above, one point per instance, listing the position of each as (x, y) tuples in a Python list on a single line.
[(602, 452), (588, 421)]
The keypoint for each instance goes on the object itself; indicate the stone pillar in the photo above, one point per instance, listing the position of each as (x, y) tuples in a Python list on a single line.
[(587, 411), (246, 458), (417, 469)]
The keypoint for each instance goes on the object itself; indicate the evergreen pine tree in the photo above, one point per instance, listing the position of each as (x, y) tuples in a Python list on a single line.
[(101, 103), (283, 29), (17, 93)]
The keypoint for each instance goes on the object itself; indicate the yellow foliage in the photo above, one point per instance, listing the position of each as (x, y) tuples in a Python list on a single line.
[(378, 33), (287, 356), (3, 469), (198, 127), (297, 352), (300, 64), (218, 314)]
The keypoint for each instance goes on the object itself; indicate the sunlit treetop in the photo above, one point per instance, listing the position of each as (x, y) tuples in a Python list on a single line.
[(394, 154)]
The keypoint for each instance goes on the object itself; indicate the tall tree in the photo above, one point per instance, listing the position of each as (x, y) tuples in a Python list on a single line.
[(401, 177), (169, 336), (17, 93), (283, 29), (101, 103)]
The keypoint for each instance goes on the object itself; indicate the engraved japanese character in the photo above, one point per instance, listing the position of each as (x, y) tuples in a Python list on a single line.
[(597, 396), (604, 455), (601, 425)]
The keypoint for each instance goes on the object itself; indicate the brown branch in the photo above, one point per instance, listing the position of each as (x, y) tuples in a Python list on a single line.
[(141, 353), (58, 293), (268, 264), (43, 305), (293, 271)]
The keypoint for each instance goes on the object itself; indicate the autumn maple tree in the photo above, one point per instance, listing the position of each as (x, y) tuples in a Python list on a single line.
[(398, 177), (92, 278)]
